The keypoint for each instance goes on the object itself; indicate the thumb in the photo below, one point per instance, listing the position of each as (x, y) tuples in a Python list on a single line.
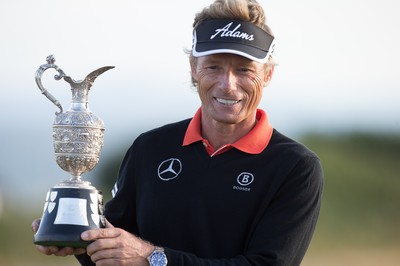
[(108, 232), (35, 225)]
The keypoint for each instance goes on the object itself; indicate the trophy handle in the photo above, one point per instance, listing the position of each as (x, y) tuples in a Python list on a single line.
[(38, 77)]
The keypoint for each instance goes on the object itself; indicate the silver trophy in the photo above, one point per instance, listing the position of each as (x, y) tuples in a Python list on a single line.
[(73, 205)]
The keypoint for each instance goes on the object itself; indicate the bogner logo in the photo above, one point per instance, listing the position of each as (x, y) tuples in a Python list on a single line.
[(169, 169), (244, 180), (235, 33)]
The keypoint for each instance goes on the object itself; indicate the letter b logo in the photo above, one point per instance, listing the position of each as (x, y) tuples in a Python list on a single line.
[(245, 179)]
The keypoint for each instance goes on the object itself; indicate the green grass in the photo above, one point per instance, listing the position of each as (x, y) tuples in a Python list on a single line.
[(16, 241), (362, 189)]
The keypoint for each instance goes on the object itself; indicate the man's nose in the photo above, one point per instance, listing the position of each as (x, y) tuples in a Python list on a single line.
[(229, 80)]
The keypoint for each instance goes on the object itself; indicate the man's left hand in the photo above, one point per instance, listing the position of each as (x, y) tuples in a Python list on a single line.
[(115, 246)]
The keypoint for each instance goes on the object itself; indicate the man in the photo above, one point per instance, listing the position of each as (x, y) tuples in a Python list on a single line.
[(222, 188)]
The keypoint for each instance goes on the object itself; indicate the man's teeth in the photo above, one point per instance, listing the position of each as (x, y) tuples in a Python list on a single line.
[(226, 102)]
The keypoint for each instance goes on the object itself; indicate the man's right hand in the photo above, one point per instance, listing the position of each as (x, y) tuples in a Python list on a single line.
[(57, 251)]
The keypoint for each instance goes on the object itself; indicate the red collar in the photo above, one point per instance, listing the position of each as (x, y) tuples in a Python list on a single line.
[(253, 142)]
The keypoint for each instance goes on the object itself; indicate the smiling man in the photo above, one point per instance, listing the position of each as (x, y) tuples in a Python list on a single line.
[(221, 188), (230, 89)]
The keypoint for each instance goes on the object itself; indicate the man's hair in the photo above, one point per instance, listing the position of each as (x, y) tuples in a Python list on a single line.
[(244, 10)]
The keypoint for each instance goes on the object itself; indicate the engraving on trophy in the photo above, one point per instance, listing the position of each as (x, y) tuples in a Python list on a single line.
[(72, 205), (72, 211)]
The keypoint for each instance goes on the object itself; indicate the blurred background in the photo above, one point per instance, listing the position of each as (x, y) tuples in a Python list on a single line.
[(336, 89)]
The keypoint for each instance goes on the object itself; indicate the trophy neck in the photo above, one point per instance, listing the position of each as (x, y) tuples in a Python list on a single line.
[(80, 94), (75, 182), (79, 107)]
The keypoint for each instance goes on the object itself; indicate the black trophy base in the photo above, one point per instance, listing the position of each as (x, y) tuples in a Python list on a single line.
[(66, 239), (67, 213)]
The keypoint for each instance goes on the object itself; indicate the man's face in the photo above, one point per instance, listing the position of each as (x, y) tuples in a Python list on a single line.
[(230, 87)]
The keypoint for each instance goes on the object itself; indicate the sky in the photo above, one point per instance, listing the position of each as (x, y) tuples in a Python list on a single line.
[(338, 70)]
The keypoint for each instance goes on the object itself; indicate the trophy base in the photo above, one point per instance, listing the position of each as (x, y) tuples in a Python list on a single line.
[(69, 211), (61, 240)]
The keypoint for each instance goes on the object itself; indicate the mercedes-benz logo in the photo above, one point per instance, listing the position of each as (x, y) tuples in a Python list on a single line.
[(169, 169)]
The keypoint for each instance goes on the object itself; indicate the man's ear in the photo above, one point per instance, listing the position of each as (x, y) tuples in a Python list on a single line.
[(193, 70), (269, 72)]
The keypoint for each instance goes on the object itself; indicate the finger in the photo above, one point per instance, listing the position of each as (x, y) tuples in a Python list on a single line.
[(101, 246), (69, 251), (116, 261), (52, 250), (62, 252), (79, 251), (35, 225), (47, 250), (96, 253), (95, 234)]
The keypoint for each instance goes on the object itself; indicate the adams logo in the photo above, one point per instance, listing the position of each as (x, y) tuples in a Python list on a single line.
[(235, 33), (244, 180), (169, 169)]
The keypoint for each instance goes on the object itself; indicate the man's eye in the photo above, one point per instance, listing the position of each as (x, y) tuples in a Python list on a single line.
[(244, 69)]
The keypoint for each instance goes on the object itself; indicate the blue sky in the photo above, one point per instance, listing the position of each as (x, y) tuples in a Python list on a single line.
[(338, 70)]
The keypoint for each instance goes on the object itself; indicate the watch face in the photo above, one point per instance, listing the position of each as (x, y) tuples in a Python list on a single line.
[(158, 259)]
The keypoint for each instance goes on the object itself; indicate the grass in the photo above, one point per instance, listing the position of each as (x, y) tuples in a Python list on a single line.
[(362, 185), (16, 242)]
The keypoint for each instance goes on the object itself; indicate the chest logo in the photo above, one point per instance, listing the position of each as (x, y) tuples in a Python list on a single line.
[(169, 169), (245, 179)]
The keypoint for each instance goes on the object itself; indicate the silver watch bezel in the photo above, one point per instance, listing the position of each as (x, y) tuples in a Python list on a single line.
[(157, 255)]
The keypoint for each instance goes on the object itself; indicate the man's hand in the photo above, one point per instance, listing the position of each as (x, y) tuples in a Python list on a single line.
[(57, 251), (115, 246)]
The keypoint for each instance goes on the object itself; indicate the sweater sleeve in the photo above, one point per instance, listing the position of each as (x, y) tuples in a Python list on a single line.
[(283, 233), (84, 260), (120, 211)]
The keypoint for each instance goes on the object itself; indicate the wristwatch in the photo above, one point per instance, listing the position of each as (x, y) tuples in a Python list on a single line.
[(158, 257)]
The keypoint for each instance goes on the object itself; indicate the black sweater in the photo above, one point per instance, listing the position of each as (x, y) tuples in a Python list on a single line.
[(231, 209)]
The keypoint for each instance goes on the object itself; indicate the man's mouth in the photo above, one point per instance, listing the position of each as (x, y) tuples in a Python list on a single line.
[(226, 101)]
